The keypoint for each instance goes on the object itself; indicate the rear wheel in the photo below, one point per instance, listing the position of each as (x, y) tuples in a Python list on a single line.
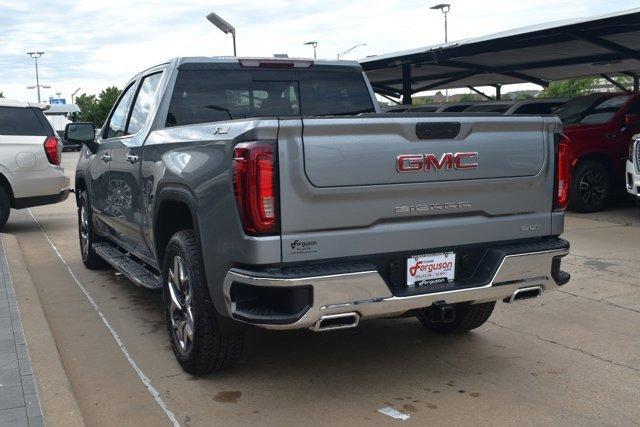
[(591, 187), (467, 317), (87, 235), (201, 341), (5, 207)]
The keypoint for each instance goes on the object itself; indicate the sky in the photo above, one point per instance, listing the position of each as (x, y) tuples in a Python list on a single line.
[(94, 44)]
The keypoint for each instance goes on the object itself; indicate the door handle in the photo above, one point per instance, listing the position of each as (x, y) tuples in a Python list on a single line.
[(105, 158), (132, 158)]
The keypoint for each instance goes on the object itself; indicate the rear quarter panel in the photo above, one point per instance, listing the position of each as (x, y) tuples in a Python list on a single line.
[(195, 162)]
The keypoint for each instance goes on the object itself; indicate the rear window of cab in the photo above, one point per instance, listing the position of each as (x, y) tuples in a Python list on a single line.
[(204, 96)]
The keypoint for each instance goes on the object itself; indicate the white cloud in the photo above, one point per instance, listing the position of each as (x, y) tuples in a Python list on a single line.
[(100, 43)]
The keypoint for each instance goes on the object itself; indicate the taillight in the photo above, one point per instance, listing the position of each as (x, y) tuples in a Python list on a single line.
[(53, 150), (562, 173), (255, 186)]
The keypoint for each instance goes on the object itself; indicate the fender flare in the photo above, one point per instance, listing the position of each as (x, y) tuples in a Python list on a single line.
[(177, 193)]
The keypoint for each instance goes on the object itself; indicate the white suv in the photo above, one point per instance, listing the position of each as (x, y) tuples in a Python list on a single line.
[(633, 169), (30, 154)]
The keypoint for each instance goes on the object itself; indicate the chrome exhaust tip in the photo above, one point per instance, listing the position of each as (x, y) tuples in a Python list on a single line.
[(522, 294), (332, 322)]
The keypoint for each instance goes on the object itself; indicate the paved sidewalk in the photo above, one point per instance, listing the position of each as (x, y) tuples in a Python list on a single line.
[(19, 403)]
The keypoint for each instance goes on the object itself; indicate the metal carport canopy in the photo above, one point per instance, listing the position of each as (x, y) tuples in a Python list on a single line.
[(606, 44)]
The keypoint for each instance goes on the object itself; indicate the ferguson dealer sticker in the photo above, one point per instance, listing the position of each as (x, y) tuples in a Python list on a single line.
[(431, 269), (303, 247)]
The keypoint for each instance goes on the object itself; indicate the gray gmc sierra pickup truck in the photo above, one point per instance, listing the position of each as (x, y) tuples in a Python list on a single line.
[(274, 193)]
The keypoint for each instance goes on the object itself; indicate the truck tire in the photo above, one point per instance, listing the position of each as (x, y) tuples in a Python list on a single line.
[(467, 317), (201, 341), (87, 236), (5, 207), (590, 187)]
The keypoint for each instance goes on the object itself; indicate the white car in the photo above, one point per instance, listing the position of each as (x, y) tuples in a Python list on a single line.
[(633, 169), (30, 155)]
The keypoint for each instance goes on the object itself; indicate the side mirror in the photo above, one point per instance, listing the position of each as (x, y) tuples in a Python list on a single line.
[(82, 132), (631, 120)]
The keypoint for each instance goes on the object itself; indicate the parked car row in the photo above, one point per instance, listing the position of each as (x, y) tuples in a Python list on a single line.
[(599, 128), (527, 106)]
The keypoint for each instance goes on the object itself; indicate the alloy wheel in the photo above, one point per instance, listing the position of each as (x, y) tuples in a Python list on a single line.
[(180, 308), (84, 231), (592, 187)]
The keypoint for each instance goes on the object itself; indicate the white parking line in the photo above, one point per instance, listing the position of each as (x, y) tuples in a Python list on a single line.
[(145, 379)]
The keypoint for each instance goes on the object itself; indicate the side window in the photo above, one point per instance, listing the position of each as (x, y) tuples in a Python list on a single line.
[(118, 121), (536, 108), (23, 121), (143, 102), (635, 108)]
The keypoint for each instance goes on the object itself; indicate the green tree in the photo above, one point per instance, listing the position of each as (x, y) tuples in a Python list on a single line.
[(471, 97), (1, 95), (421, 100), (96, 108), (87, 106), (567, 88), (523, 95)]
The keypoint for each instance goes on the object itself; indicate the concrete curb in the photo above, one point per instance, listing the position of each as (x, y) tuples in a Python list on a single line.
[(59, 404)]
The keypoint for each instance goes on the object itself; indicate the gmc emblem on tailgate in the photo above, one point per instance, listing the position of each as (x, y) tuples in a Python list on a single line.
[(428, 162)]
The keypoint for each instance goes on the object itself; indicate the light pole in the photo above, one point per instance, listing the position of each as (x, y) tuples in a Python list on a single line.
[(39, 87), (223, 26), (444, 8), (35, 56), (74, 94), (315, 46), (350, 49)]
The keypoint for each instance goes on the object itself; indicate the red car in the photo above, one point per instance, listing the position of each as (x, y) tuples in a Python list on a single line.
[(599, 127)]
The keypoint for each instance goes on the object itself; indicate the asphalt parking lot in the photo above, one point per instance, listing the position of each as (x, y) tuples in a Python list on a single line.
[(572, 357)]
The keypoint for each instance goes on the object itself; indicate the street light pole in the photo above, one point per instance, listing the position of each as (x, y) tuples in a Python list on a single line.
[(315, 46), (444, 8), (35, 56), (233, 36), (446, 32), (341, 54), (225, 27), (74, 94)]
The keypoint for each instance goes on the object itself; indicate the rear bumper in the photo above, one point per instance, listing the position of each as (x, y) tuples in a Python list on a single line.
[(366, 294), (29, 202)]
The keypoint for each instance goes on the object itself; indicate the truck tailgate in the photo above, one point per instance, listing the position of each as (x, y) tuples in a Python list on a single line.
[(353, 154), (374, 184)]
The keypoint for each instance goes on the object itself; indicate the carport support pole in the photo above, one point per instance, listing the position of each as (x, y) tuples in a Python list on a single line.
[(498, 94), (406, 84)]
